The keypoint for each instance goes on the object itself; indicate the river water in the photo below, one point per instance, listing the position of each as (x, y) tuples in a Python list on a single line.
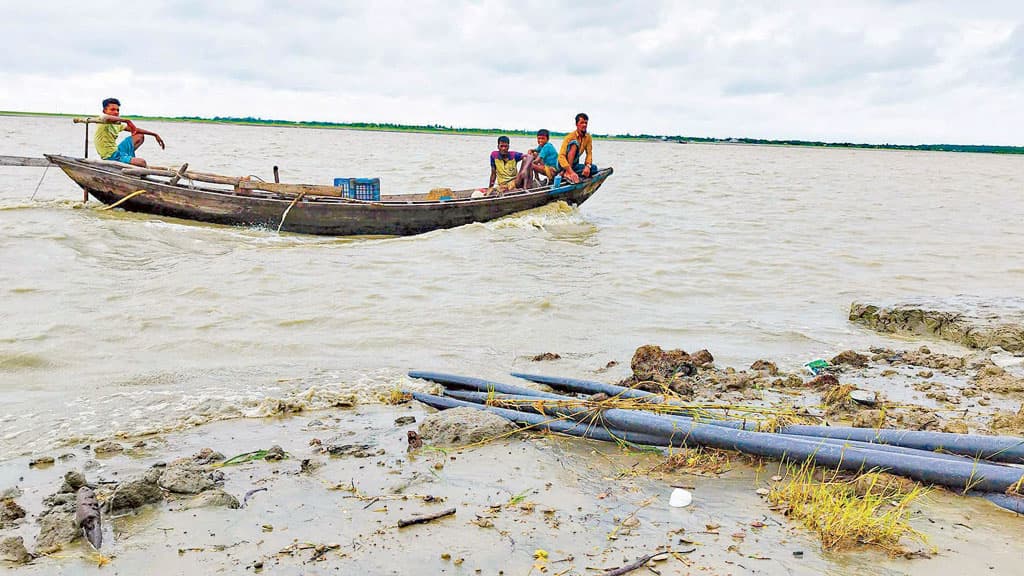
[(118, 323)]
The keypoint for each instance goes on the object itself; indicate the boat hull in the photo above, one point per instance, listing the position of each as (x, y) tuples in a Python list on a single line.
[(322, 216)]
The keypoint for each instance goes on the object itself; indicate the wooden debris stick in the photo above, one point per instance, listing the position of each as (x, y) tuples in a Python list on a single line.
[(427, 518), (87, 516), (640, 563), (24, 161)]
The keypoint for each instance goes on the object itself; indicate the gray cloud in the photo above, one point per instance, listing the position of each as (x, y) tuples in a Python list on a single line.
[(877, 70)]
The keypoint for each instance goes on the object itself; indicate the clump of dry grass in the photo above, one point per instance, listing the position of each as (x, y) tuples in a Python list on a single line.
[(837, 395), (700, 460), (396, 396), (696, 410), (872, 511)]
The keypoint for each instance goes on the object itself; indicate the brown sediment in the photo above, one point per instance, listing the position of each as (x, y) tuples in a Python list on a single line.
[(971, 322)]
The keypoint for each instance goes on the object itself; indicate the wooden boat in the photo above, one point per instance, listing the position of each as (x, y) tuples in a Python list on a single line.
[(301, 208)]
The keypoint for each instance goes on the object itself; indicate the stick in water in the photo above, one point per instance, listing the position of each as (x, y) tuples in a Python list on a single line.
[(427, 518)]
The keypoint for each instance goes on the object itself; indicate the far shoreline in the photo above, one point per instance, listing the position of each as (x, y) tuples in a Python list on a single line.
[(447, 130)]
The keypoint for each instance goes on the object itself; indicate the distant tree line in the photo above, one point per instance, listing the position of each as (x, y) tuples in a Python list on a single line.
[(681, 139)]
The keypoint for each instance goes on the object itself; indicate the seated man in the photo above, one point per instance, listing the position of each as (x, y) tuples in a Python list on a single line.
[(542, 160), (575, 144), (110, 126), (503, 166)]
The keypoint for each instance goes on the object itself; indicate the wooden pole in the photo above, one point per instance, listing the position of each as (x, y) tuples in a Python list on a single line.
[(277, 177)]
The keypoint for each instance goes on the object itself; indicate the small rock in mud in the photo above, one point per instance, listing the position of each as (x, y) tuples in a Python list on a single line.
[(955, 427), (546, 357), (823, 381), (926, 359), (207, 456), (136, 493), (60, 501), (215, 498), (108, 447), (1009, 422), (869, 419), (850, 358), (12, 549), (12, 492), (737, 381), (275, 454), (790, 381), (464, 425), (405, 420), (340, 446), (414, 440), (308, 465), (73, 480), (702, 359), (40, 462), (10, 511), (184, 480), (650, 362), (917, 418), (994, 378), (56, 529), (765, 366)]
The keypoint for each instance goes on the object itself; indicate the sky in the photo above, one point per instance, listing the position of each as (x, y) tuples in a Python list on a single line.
[(876, 71)]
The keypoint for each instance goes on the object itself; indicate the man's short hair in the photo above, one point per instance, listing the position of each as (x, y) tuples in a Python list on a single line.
[(582, 115), (502, 139), (110, 101), (543, 132)]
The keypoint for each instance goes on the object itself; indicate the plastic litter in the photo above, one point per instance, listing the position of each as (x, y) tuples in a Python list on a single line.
[(680, 498), (816, 366)]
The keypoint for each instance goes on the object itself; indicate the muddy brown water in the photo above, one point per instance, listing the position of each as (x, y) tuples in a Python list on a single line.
[(118, 322), (122, 324)]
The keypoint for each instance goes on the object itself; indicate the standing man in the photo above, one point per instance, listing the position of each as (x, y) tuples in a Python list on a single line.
[(575, 144), (503, 166), (110, 126)]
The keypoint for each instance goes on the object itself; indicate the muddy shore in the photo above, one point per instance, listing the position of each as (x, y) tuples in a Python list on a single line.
[(330, 496)]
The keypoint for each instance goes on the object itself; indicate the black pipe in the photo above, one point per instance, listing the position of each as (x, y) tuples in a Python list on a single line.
[(996, 448), (959, 475), (1009, 502), (523, 404)]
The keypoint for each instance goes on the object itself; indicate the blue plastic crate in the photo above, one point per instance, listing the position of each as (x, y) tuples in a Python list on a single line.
[(359, 188)]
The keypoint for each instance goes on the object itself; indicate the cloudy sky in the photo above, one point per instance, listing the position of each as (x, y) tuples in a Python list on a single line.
[(899, 71)]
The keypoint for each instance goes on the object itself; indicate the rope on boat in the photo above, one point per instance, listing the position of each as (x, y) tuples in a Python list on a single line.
[(41, 182), (123, 200), (289, 209)]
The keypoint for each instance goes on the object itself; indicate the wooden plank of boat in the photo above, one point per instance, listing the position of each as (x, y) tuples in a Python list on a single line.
[(24, 161), (197, 176), (291, 189)]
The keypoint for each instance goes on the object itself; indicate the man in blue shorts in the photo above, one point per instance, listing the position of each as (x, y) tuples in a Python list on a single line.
[(110, 125), (542, 160)]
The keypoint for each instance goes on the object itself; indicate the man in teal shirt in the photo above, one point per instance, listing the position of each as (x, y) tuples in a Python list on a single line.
[(542, 160)]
